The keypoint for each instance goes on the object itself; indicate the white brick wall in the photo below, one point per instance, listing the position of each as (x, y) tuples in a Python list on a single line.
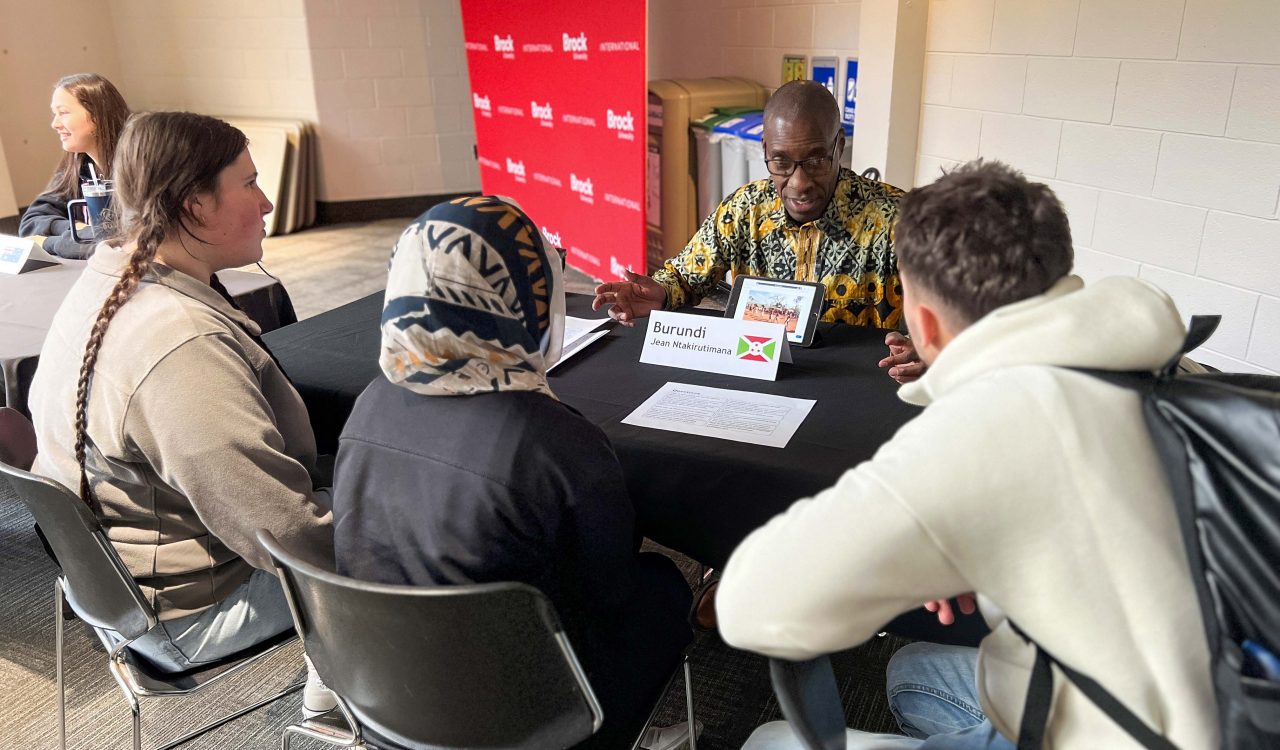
[(1070, 89), (1183, 97), (744, 38), (391, 96), (1266, 331), (384, 80), (1157, 123), (1031, 142), (239, 57)]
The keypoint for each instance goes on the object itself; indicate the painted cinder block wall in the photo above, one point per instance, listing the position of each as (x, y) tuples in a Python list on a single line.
[(392, 97), (1157, 123), (385, 81), (702, 38)]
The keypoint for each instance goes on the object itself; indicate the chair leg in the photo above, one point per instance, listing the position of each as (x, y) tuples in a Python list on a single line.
[(232, 716), (137, 724), (688, 704), (57, 646)]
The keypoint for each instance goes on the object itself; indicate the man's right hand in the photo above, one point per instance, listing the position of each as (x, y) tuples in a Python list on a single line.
[(634, 297), (903, 361), (942, 607)]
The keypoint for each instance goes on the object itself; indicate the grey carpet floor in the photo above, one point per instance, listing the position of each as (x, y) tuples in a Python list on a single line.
[(322, 268)]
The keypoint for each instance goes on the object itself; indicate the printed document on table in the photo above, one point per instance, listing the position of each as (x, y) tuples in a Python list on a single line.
[(721, 413), (575, 328), (578, 334)]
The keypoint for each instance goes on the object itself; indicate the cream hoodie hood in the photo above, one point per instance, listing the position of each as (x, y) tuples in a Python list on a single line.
[(1119, 323)]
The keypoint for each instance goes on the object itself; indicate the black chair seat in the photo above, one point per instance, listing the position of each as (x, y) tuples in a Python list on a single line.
[(95, 584), (157, 681)]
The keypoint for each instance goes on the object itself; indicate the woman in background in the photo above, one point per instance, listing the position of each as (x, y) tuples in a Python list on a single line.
[(88, 116), (461, 466), (180, 431)]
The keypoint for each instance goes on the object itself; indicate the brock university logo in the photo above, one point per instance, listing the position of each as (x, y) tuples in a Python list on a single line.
[(757, 348)]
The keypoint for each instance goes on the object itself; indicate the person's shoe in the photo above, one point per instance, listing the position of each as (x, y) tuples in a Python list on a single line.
[(317, 700), (702, 613), (668, 738)]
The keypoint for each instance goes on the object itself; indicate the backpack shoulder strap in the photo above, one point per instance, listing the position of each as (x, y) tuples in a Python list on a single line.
[(1035, 713), (1199, 329)]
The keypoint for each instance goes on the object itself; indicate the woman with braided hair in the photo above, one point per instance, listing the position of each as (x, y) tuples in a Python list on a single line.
[(180, 431)]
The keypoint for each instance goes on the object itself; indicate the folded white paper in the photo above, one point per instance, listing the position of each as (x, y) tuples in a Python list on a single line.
[(578, 334)]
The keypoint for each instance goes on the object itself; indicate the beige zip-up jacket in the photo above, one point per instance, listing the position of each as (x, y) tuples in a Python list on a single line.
[(196, 438)]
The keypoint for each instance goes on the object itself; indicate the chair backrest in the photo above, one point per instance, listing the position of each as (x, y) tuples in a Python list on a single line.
[(98, 585), (461, 666), (17, 439), (809, 698)]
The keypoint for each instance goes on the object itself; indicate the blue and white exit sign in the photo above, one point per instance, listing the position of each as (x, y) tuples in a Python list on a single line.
[(826, 71), (850, 93)]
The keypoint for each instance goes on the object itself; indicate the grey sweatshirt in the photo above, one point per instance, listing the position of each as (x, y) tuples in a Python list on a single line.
[(196, 437)]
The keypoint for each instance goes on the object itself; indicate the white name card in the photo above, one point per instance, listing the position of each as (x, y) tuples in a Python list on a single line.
[(18, 255), (748, 349)]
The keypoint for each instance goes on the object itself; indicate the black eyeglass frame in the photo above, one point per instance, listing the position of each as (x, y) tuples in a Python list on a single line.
[(814, 166)]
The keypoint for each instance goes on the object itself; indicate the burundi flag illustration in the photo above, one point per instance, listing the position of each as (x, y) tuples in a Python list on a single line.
[(757, 348)]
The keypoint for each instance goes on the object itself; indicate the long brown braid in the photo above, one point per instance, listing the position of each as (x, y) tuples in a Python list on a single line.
[(163, 160)]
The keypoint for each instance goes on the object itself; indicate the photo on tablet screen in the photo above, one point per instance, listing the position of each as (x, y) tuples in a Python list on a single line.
[(769, 301)]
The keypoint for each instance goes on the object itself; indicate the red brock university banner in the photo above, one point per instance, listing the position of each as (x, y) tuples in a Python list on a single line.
[(558, 96)]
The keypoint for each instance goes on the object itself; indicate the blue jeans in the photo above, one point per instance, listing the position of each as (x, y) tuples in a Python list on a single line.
[(933, 693), (251, 614)]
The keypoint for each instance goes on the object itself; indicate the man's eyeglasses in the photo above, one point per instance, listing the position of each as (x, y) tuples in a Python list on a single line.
[(815, 165)]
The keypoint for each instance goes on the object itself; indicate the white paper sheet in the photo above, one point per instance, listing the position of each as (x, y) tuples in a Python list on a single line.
[(721, 413), (577, 336), (576, 328)]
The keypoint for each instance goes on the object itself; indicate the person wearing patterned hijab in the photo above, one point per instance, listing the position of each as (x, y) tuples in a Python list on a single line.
[(475, 302), (461, 466)]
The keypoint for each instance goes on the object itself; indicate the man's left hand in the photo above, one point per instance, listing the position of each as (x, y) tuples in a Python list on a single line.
[(903, 362)]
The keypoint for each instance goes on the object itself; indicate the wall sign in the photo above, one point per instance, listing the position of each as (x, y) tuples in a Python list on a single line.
[(794, 68), (850, 93), (826, 71), (558, 94)]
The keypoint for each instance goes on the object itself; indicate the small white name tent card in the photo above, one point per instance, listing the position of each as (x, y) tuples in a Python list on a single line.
[(744, 348), (19, 255)]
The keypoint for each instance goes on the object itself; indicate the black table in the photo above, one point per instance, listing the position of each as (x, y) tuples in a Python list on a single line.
[(28, 302), (695, 494)]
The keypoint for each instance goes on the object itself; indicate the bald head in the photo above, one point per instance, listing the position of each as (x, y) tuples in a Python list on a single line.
[(803, 143), (807, 101)]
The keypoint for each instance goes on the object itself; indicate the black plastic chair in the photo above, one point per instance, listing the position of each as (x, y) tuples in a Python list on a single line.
[(484, 665), (17, 439), (810, 700), (100, 591)]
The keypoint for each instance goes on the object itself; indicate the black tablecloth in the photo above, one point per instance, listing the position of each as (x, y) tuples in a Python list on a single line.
[(29, 301), (698, 495)]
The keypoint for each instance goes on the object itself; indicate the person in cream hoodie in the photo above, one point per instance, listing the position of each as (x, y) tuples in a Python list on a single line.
[(1030, 485)]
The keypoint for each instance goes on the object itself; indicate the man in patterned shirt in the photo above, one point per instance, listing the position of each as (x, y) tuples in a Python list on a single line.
[(810, 221)]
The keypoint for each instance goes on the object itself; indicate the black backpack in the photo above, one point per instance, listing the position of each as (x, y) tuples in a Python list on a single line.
[(1218, 437)]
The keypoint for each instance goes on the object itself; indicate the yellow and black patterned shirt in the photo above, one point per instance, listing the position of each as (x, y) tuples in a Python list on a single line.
[(849, 249)]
